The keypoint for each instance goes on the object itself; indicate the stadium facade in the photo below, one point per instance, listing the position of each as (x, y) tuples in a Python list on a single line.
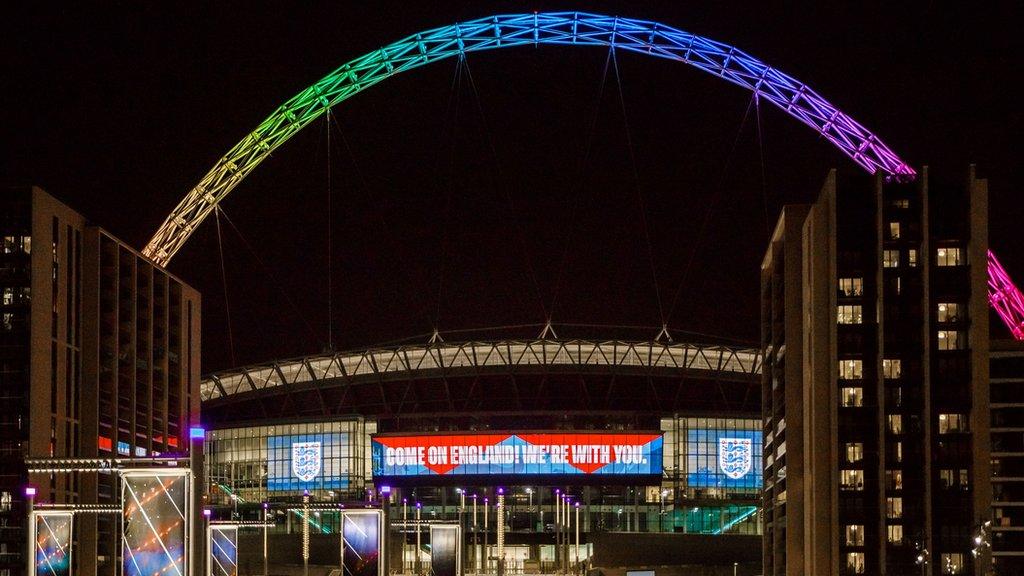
[(647, 436)]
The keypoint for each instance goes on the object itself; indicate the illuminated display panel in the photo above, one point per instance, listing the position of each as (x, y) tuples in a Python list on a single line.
[(318, 461), (53, 543), (362, 538), (507, 454), (724, 458), (154, 510), (223, 550)]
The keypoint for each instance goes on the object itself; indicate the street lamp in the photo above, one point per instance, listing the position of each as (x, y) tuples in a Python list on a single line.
[(266, 511), (419, 508), (578, 536)]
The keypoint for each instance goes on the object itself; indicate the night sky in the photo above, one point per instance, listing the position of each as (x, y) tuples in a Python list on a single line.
[(120, 110)]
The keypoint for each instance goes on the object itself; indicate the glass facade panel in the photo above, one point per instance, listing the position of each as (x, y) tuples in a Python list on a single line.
[(284, 460)]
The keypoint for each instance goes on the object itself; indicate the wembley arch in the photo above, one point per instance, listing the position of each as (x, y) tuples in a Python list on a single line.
[(557, 28)]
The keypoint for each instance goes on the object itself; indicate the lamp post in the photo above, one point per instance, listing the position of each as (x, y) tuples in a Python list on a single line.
[(385, 506), (486, 530), (30, 497), (206, 530), (476, 542), (416, 565), (568, 531), (405, 528), (558, 530), (266, 510), (578, 536)]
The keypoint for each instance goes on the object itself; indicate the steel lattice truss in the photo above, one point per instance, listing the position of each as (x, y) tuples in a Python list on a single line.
[(420, 361), (501, 31), (1005, 297)]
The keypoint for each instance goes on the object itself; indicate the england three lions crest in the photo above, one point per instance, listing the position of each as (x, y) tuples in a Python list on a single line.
[(735, 456), (306, 460)]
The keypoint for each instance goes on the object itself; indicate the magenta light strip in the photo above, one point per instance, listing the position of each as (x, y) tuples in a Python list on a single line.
[(1005, 297)]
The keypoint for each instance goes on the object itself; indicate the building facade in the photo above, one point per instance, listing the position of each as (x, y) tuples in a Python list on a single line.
[(875, 380), (100, 359), (1006, 372)]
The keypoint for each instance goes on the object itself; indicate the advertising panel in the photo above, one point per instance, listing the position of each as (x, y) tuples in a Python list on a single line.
[(723, 458), (444, 550), (53, 543), (223, 550), (154, 505), (300, 462), (361, 533), (531, 453)]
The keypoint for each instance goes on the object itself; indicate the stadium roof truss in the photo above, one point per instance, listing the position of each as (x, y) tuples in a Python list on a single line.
[(501, 357)]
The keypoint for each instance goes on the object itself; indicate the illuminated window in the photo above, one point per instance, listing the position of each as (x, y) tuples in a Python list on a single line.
[(892, 368), (854, 452), (949, 312), (894, 230), (896, 423), (890, 258), (949, 257), (952, 423), (894, 479), (854, 534), (854, 562), (851, 369), (897, 452), (851, 479), (5, 501), (951, 563), (894, 507), (852, 397), (952, 340), (894, 533), (900, 203), (849, 314), (953, 478), (851, 286), (912, 257)]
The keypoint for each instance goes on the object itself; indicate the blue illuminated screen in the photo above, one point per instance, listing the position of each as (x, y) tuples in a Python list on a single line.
[(308, 462), (723, 458)]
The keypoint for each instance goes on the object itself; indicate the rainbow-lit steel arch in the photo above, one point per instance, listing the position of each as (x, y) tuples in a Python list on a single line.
[(566, 28), (560, 28)]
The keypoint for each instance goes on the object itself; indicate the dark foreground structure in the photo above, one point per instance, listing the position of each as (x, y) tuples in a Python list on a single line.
[(876, 387), (99, 358)]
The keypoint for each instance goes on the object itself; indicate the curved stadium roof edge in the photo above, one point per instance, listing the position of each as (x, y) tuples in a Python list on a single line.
[(412, 361)]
